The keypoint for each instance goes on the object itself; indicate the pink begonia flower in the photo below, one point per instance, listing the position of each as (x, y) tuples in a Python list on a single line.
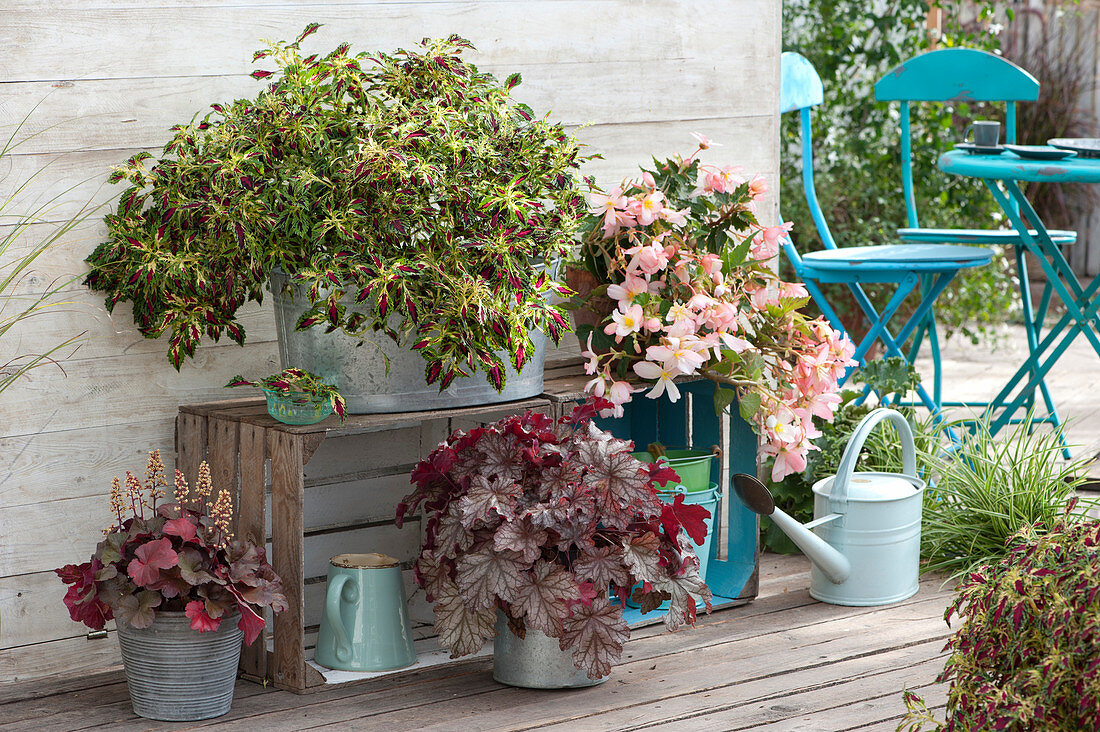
[(767, 246), (649, 208), (701, 301), (682, 328), (705, 143), (615, 221), (758, 186), (712, 265), (724, 179), (649, 258), (618, 394), (628, 290), (598, 385), (677, 353), (788, 461), (735, 344), (601, 203), (625, 322), (792, 289), (647, 180), (591, 360), (674, 217), (652, 325), (761, 296), (663, 375), (723, 316), (680, 311), (824, 405)]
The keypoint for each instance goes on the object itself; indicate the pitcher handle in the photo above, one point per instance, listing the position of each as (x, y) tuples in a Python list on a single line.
[(838, 497), (332, 611)]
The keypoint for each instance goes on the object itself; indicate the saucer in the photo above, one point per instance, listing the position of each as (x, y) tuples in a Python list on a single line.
[(1086, 147), (1040, 152), (979, 149)]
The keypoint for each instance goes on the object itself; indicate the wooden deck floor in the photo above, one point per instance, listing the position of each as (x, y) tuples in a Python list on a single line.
[(782, 662)]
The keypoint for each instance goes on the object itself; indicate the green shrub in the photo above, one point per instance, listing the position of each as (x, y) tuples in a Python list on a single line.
[(1027, 656)]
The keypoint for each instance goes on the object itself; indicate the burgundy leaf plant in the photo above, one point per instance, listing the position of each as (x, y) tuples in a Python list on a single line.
[(172, 556), (554, 524)]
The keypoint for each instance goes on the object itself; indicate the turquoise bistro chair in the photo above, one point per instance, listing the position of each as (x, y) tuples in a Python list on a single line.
[(904, 265), (951, 76)]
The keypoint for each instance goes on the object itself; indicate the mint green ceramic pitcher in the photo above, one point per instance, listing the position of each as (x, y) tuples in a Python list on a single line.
[(365, 626)]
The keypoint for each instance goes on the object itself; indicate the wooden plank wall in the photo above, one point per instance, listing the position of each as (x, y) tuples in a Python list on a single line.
[(106, 78)]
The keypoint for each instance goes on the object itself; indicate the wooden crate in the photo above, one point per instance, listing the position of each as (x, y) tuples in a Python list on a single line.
[(314, 491)]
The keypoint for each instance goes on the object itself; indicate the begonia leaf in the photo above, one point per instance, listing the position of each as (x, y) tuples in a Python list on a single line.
[(462, 629), (485, 575), (544, 597), (596, 635)]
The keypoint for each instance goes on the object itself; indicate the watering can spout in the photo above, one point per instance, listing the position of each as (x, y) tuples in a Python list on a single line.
[(834, 565)]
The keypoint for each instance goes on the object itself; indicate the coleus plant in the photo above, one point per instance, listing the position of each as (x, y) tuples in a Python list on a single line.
[(1027, 654), (405, 194), (298, 381), (684, 265), (172, 556), (543, 520)]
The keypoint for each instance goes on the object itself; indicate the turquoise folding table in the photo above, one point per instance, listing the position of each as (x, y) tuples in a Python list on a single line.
[(1002, 174)]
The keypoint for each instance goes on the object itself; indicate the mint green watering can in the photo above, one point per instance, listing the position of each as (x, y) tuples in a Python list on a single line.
[(365, 626), (864, 541)]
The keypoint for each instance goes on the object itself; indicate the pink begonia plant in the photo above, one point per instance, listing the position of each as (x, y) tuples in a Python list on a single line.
[(684, 258)]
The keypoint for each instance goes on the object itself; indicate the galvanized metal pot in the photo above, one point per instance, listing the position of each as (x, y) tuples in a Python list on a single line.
[(358, 367), (535, 661), (176, 674)]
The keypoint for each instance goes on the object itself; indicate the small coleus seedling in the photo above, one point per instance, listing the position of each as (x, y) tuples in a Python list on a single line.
[(549, 522), (172, 556), (297, 381)]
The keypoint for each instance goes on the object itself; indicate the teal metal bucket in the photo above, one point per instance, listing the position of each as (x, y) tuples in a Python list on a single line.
[(708, 499), (693, 467)]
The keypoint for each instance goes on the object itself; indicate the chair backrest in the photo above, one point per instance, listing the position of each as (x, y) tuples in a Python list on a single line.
[(800, 89), (952, 75)]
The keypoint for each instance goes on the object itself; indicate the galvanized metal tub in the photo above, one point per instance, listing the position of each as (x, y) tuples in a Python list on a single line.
[(176, 674), (360, 371), (535, 661)]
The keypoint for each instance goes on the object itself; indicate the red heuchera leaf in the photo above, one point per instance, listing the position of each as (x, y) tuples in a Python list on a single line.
[(149, 559), (588, 593), (520, 536), (485, 575), (200, 621), (545, 596), (596, 634), (602, 565), (81, 598), (688, 516), (462, 629), (181, 527), (251, 623), (661, 474)]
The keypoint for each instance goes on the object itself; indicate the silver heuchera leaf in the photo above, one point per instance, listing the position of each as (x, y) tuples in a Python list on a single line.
[(485, 575), (462, 629), (595, 635), (544, 598)]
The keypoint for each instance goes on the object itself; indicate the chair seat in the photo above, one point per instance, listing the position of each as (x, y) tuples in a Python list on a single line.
[(978, 236), (898, 258)]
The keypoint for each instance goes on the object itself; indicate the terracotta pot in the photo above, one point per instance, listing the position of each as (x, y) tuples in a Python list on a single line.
[(596, 308)]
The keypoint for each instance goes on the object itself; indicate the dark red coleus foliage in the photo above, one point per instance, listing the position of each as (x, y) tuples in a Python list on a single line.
[(544, 520), (1027, 655), (175, 556)]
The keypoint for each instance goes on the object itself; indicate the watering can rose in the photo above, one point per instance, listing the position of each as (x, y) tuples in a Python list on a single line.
[(684, 261)]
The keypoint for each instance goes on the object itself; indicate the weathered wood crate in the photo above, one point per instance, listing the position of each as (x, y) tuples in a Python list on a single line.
[(315, 491)]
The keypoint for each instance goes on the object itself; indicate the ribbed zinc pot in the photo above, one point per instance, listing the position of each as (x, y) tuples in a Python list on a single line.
[(176, 674), (360, 373), (535, 661)]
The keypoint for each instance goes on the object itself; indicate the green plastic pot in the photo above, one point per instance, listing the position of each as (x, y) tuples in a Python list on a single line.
[(693, 467)]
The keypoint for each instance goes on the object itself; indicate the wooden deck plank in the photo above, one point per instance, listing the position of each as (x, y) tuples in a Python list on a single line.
[(784, 660)]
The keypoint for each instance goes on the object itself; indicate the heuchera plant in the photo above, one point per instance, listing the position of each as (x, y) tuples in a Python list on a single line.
[(1027, 656), (412, 183), (177, 556), (685, 261), (537, 519), (297, 381)]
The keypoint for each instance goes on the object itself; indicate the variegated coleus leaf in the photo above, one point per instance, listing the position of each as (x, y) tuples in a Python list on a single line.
[(484, 575), (462, 629), (596, 634), (545, 597)]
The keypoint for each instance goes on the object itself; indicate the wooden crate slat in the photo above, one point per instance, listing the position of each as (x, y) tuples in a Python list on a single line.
[(251, 522), (287, 556)]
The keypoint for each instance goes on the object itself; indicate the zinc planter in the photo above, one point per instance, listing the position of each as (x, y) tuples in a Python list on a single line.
[(176, 674), (360, 371), (535, 661)]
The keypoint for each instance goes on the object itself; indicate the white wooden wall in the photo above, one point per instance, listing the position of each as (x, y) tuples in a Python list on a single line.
[(110, 76)]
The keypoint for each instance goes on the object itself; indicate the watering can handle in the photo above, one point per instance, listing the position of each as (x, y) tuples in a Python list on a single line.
[(839, 495)]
